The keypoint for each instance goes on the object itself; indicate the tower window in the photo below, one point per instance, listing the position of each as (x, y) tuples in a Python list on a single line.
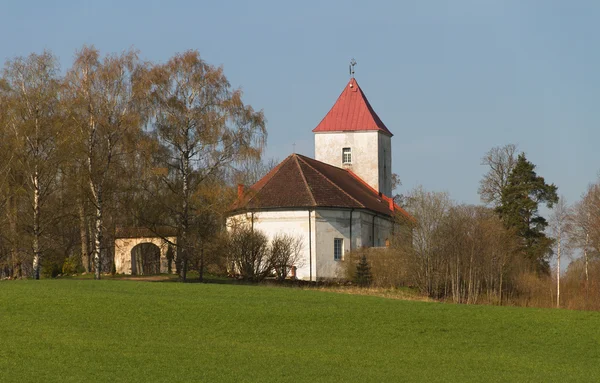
[(346, 155)]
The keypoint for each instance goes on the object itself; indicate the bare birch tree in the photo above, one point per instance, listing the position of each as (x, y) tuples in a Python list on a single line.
[(206, 126), (7, 155), (106, 111), (34, 86), (585, 224), (560, 227), (430, 209)]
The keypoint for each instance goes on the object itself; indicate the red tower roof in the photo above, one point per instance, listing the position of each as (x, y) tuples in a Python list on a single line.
[(351, 112)]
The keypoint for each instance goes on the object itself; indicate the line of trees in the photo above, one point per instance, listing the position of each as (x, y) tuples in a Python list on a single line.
[(465, 252), (116, 141), (499, 252)]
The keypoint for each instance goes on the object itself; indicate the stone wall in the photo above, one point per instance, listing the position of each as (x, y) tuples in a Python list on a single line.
[(123, 247)]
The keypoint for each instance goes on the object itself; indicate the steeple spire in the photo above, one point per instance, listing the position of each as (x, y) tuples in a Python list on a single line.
[(351, 136), (351, 112)]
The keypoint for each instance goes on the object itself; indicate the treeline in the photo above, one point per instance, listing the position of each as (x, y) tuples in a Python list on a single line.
[(499, 252), (117, 141)]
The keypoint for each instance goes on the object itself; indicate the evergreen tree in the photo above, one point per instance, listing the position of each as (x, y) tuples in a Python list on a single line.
[(518, 209), (363, 275)]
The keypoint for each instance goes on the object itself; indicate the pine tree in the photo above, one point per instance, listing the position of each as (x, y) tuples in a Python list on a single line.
[(519, 211), (363, 275)]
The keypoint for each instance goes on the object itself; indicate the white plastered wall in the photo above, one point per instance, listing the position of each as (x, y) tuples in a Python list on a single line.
[(318, 263), (371, 155), (376, 229), (385, 160), (292, 222), (335, 223)]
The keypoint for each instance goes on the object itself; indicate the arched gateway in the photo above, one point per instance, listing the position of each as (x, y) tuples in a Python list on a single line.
[(141, 251)]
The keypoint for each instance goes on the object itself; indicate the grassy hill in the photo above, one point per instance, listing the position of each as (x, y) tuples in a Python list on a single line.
[(124, 331)]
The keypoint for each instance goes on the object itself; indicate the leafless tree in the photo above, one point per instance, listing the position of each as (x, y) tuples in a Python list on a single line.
[(459, 252), (105, 106), (430, 210), (33, 83), (206, 127), (252, 170), (585, 225), (286, 252), (249, 253), (560, 227), (501, 160)]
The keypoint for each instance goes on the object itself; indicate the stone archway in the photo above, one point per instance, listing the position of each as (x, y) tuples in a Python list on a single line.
[(145, 259), (132, 243)]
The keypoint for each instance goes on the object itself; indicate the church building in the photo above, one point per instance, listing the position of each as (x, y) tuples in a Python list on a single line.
[(337, 202)]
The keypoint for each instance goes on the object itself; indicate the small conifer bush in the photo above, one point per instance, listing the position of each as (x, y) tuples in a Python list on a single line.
[(363, 275)]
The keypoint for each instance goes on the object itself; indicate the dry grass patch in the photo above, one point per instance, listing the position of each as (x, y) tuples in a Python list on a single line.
[(404, 294)]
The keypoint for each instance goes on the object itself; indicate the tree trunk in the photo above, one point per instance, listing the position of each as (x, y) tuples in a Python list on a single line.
[(471, 288), (201, 268), (585, 255), (501, 280), (184, 218), (12, 224), (36, 225), (97, 229), (558, 273), (83, 235)]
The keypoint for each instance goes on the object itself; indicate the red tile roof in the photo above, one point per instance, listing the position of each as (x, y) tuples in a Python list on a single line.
[(351, 112), (302, 182)]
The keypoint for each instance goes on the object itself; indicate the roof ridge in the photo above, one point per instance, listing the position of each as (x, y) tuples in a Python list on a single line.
[(312, 197), (333, 183), (363, 182), (320, 162), (372, 112), (395, 205)]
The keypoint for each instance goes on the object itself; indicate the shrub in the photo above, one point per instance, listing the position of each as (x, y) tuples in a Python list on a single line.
[(389, 267), (70, 265), (50, 269), (363, 276), (285, 254), (249, 254)]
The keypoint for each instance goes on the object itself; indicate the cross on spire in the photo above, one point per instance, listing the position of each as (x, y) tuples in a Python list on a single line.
[(351, 67)]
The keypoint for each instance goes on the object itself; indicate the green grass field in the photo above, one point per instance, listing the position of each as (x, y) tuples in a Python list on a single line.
[(127, 331)]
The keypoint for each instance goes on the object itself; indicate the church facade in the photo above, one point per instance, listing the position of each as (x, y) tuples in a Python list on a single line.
[(337, 202)]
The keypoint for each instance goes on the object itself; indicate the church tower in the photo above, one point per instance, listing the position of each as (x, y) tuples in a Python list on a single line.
[(353, 137)]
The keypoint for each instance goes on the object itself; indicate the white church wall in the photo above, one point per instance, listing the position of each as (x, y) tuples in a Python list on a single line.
[(375, 229), (383, 231), (366, 232), (365, 156), (385, 159), (332, 224), (325, 226), (293, 222)]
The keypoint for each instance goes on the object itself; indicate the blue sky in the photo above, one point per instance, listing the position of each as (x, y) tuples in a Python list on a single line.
[(450, 79)]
